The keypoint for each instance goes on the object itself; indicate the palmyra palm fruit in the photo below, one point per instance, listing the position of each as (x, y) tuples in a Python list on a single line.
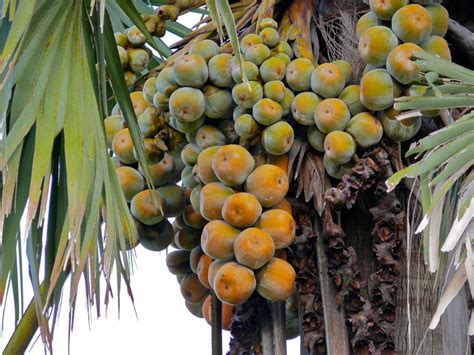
[(366, 129), (130, 77), (316, 138), (135, 36), (267, 22), (191, 70), (331, 115), (218, 102), (283, 48), (191, 289), (280, 225), (400, 65), (122, 145), (440, 17), (279, 160), (149, 123), (226, 316), (216, 265), (220, 70), (269, 184), (272, 69), (412, 23), (246, 126), (177, 262), (187, 104), (275, 280), (232, 164), (284, 205), (339, 146), (286, 102), (149, 89), (254, 248), (346, 69), (303, 107), (204, 163), (205, 48), (247, 94), (385, 9), (139, 103), (285, 59), (375, 44), (195, 174), (257, 54), (154, 149), (298, 74), (336, 170), (187, 178), (130, 180), (397, 130), (121, 39), (174, 199), (165, 81), (274, 90), (239, 110), (266, 111), (351, 96), (157, 237), (195, 197), (148, 206), (203, 269), (186, 127), (208, 135), (377, 90), (249, 40), (217, 240), (187, 238), (212, 198), (437, 45), (327, 80), (270, 36), (168, 12), (112, 125), (189, 154), (123, 56), (226, 126), (193, 218), (241, 210), (137, 59), (278, 138), (365, 22), (250, 70), (234, 283), (194, 257)]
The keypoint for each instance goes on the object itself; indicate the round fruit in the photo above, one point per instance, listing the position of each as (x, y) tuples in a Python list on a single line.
[(122, 146), (149, 122), (191, 289), (139, 103), (208, 136), (203, 269), (375, 44), (226, 317), (339, 146), (298, 74), (266, 111), (272, 69), (257, 54), (274, 90), (284, 205), (365, 22), (268, 183), (396, 130), (270, 36), (187, 104), (278, 138), (148, 207), (286, 102), (437, 45), (336, 170), (205, 48), (189, 154), (250, 70), (351, 96), (440, 18), (331, 115), (254, 248), (280, 225), (268, 22), (135, 36), (232, 164), (217, 240), (174, 199), (412, 23), (186, 127), (366, 129), (327, 80), (241, 210), (130, 180), (316, 138), (303, 106), (177, 262), (157, 237), (247, 94), (234, 283), (218, 102), (193, 218), (249, 40), (212, 198), (112, 125), (191, 70), (220, 69), (377, 90), (246, 126), (400, 65), (138, 59), (194, 258), (385, 9), (275, 280), (283, 48), (165, 82)]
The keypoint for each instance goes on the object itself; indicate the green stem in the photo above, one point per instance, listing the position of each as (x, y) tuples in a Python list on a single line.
[(277, 310), (428, 62), (266, 329), (431, 103), (216, 316)]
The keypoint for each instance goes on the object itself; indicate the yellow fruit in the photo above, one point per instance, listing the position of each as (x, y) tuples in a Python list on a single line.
[(254, 248), (249, 40), (205, 48), (327, 80), (385, 9), (234, 283), (139, 103), (303, 106), (220, 69), (280, 225), (246, 126), (212, 198), (346, 69), (217, 240), (272, 69), (191, 70), (412, 23), (339, 146), (130, 180), (440, 18), (232, 164), (366, 129), (270, 36), (187, 104), (122, 146), (266, 111), (298, 74), (204, 163), (365, 22), (351, 96), (241, 210), (278, 138), (377, 90), (437, 45), (274, 90), (276, 280), (331, 115), (148, 207), (376, 43), (112, 125), (400, 65), (268, 183), (257, 54), (247, 94)]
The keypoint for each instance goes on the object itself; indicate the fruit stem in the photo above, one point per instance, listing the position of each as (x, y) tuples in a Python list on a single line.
[(277, 310), (266, 333), (216, 316)]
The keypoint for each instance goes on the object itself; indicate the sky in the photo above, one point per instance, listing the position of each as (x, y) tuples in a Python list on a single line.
[(162, 324)]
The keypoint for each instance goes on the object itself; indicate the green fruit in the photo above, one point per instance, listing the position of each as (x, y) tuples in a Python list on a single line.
[(272, 69), (238, 111), (286, 102), (267, 111), (149, 89), (157, 237), (227, 128), (250, 70), (208, 136), (195, 197), (278, 138), (366, 129), (339, 146), (135, 36), (267, 22), (336, 170), (247, 94), (187, 178), (249, 40), (257, 54), (327, 80), (187, 238), (187, 104), (148, 207), (220, 70), (189, 154), (316, 138), (397, 130), (283, 57), (138, 59), (346, 69), (191, 70), (376, 43), (186, 127), (161, 101), (149, 123), (365, 22), (377, 90), (177, 262), (205, 48), (303, 106), (246, 126), (165, 82), (218, 102), (270, 36), (284, 48), (274, 90), (298, 74), (351, 97)]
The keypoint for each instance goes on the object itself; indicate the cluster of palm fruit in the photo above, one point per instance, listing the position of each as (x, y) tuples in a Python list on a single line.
[(389, 35)]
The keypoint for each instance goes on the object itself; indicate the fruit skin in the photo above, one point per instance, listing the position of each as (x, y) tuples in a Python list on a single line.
[(351, 96), (135, 36), (247, 94), (165, 81), (112, 125), (284, 205), (283, 48), (191, 289), (191, 70), (249, 40), (377, 90), (437, 45), (218, 102), (257, 54), (275, 280), (267, 22), (270, 36), (346, 69), (232, 164), (205, 48), (226, 126), (161, 171), (174, 198), (278, 138), (286, 102), (130, 180), (234, 283), (412, 23), (246, 126), (123, 56), (226, 317), (137, 59), (339, 146), (327, 80), (217, 239), (385, 9), (186, 127), (376, 43), (122, 146), (213, 268), (331, 115), (395, 129), (280, 225), (220, 68), (440, 18), (187, 178), (365, 22), (208, 136), (272, 69), (139, 103), (250, 70), (303, 106), (336, 170), (298, 74), (194, 258), (366, 129), (212, 198), (187, 104), (241, 210), (121, 39), (189, 154), (316, 138), (267, 112), (206, 173), (194, 308), (399, 64), (268, 183), (202, 270), (157, 237), (254, 248), (177, 262), (193, 218), (274, 90), (146, 210), (149, 122)]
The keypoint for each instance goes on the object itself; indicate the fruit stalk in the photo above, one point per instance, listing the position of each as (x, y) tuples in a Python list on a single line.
[(277, 310), (216, 310)]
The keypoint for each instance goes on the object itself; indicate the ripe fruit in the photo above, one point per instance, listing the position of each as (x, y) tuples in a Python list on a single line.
[(112, 125), (202, 270), (218, 102), (204, 163), (284, 205), (316, 138), (250, 70), (212, 198), (177, 262), (375, 44), (234, 283), (122, 146), (254, 248), (327, 80), (385, 9), (412, 23), (232, 164), (249, 40), (280, 225), (437, 45), (161, 171), (268, 183), (220, 67), (205, 48), (278, 138), (193, 218), (130, 180), (226, 317), (148, 206), (187, 104), (139, 103), (192, 289), (351, 97), (377, 90), (331, 115), (241, 210), (272, 69), (274, 90), (365, 22), (298, 74), (400, 65), (276, 280), (191, 70), (213, 268), (397, 130), (247, 94), (266, 111), (303, 106), (208, 135), (217, 239), (339, 146), (257, 54), (440, 17), (246, 126), (270, 36), (366, 129), (336, 170)]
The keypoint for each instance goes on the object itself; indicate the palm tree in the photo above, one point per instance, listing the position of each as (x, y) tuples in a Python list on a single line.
[(361, 267)]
